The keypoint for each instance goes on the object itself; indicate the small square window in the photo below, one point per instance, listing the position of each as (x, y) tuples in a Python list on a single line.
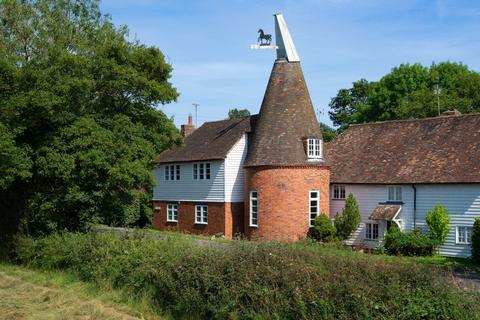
[(314, 148), (464, 234), (338, 192), (201, 214), (172, 213), (394, 193), (201, 171)]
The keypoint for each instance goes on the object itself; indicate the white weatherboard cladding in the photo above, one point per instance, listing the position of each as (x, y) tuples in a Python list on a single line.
[(462, 202), (234, 173), (187, 189), (368, 197)]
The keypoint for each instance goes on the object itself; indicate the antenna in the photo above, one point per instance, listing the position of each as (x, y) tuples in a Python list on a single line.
[(196, 105)]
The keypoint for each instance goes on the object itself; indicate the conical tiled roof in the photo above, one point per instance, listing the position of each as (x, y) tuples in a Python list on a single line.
[(286, 119)]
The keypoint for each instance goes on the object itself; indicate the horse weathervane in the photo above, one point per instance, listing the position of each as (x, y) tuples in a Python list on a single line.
[(264, 41)]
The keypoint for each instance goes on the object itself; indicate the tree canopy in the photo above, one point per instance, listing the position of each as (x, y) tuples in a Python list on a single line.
[(78, 118), (237, 113), (408, 91)]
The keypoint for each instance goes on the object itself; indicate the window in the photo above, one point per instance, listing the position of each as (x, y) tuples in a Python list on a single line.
[(313, 207), (201, 214), (201, 171), (464, 235), (394, 193), (338, 192), (172, 213), (253, 209), (172, 172), (314, 148), (371, 231)]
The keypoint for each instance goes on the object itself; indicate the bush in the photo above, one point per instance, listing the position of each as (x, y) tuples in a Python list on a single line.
[(251, 280), (476, 240), (324, 229), (348, 221), (415, 243), (438, 221)]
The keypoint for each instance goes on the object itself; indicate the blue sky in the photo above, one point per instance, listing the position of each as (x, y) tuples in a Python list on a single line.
[(338, 41)]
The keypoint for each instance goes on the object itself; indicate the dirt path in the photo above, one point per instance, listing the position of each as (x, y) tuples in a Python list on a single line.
[(20, 299)]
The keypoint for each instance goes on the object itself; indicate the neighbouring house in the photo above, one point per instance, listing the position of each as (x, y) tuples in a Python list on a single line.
[(398, 170), (268, 176)]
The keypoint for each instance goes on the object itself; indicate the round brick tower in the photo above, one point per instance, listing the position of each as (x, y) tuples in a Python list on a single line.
[(286, 178)]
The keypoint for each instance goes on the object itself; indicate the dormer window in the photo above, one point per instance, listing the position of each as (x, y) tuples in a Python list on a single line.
[(314, 148)]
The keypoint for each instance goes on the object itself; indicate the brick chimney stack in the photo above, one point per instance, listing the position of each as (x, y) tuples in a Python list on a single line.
[(188, 128)]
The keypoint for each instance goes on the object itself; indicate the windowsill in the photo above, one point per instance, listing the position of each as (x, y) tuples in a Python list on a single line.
[(371, 239), (392, 202), (204, 223), (463, 244), (172, 221), (253, 225), (343, 199)]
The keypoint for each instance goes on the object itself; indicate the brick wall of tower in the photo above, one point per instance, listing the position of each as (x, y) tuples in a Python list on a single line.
[(223, 218), (283, 200)]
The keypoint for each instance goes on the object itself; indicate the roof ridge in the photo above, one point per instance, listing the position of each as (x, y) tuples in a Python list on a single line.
[(414, 120), (239, 118)]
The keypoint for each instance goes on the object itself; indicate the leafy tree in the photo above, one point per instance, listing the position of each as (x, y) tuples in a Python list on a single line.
[(237, 113), (324, 230), (328, 133), (408, 92), (476, 240), (438, 221), (348, 220), (78, 116)]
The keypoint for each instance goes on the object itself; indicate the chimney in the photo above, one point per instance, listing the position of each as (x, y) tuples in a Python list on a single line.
[(188, 128), (453, 112)]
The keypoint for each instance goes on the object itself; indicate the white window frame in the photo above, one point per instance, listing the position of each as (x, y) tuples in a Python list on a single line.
[(172, 212), (467, 236), (311, 222), (202, 171), (370, 234), (314, 148), (397, 193), (172, 172), (339, 192), (201, 214), (253, 208)]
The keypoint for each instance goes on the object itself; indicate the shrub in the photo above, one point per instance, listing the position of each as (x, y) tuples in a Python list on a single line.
[(476, 240), (250, 280), (348, 221), (415, 243), (438, 221), (324, 229)]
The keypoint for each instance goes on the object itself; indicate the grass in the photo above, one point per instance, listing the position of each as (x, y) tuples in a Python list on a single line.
[(254, 280), (34, 294)]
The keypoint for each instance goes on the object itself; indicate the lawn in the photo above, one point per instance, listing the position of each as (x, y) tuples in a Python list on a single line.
[(34, 294)]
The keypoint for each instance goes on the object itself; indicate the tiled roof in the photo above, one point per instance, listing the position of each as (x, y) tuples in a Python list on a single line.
[(286, 118), (213, 140), (444, 149), (385, 212)]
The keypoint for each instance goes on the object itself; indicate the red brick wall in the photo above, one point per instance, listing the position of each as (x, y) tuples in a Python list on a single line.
[(223, 218), (283, 200)]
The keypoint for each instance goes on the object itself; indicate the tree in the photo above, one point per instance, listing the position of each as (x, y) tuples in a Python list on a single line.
[(438, 221), (237, 113), (348, 220), (476, 240), (324, 230), (78, 112), (328, 133), (408, 92)]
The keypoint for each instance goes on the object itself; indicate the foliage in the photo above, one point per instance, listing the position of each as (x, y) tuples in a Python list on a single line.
[(328, 133), (438, 221), (476, 240), (348, 220), (78, 117), (415, 243), (249, 280), (237, 113), (324, 230), (408, 92)]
